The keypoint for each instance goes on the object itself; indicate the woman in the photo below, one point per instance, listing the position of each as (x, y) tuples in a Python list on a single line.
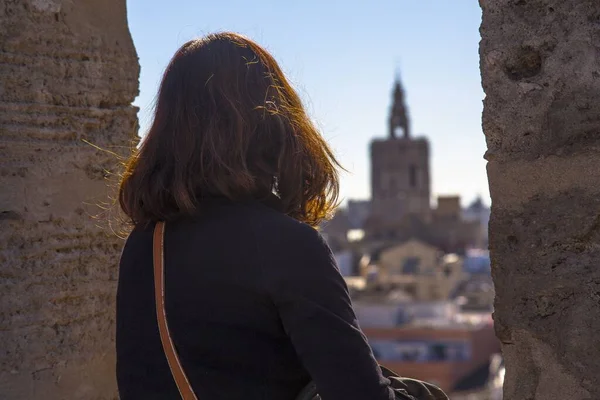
[(256, 305)]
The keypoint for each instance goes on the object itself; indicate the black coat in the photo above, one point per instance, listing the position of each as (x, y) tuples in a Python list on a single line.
[(256, 307)]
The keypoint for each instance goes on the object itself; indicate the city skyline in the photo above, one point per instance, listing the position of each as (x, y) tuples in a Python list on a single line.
[(343, 60)]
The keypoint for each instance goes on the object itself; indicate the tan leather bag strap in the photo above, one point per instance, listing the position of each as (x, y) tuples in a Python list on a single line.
[(183, 384)]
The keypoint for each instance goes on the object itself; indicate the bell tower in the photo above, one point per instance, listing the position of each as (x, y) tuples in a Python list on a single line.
[(400, 182)]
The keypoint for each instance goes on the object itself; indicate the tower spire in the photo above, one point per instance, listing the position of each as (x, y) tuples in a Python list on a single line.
[(399, 112), (397, 77)]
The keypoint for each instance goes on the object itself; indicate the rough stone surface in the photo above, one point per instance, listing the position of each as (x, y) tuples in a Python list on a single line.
[(540, 65), (68, 75)]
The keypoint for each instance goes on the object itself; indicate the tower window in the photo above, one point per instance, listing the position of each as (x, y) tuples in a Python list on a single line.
[(412, 176), (398, 131)]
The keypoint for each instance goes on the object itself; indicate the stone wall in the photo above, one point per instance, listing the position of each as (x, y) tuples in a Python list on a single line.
[(540, 64), (68, 75)]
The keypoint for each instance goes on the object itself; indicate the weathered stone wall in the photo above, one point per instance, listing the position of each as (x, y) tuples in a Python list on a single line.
[(68, 74), (540, 64)]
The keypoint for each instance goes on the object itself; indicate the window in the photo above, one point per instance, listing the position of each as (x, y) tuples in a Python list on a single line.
[(438, 352), (411, 265), (412, 176), (398, 131), (447, 271)]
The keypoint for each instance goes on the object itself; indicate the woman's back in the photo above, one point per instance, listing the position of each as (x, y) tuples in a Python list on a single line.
[(254, 300), (251, 296)]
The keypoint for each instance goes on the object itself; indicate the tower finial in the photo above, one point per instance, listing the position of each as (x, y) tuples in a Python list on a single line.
[(397, 76)]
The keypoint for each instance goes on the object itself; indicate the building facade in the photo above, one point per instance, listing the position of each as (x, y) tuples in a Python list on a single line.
[(443, 356)]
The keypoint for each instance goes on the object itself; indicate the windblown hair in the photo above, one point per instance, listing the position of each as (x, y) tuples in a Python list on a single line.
[(228, 123)]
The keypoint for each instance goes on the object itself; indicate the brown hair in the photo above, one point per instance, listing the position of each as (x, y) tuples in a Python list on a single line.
[(228, 123)]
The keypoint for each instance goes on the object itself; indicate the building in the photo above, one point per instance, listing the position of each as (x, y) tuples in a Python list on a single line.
[(400, 207), (418, 269), (443, 356), (336, 230), (434, 341), (476, 293), (358, 211), (399, 169), (485, 383), (397, 309), (478, 212), (450, 231), (345, 260)]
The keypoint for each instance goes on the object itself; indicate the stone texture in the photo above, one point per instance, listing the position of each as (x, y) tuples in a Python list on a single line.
[(68, 75), (540, 65)]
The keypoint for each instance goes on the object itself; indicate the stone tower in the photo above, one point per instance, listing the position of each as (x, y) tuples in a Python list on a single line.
[(68, 75), (399, 168)]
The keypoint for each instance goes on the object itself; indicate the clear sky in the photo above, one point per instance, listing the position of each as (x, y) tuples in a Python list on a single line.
[(342, 57)]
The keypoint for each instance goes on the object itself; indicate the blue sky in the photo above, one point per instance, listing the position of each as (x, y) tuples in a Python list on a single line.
[(342, 58)]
